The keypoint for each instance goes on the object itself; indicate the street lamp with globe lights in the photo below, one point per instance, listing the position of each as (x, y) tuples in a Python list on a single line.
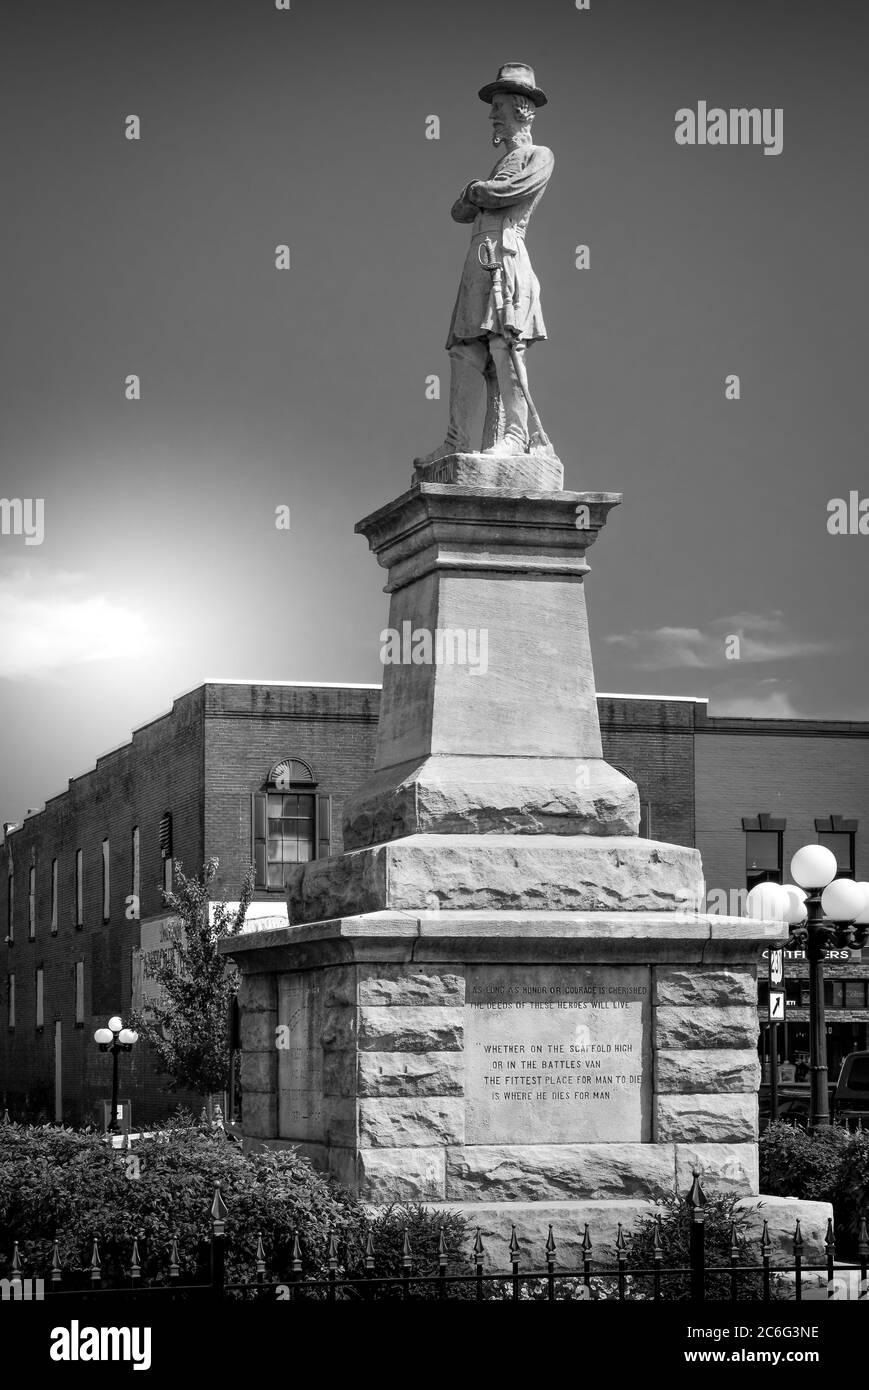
[(115, 1038), (822, 912)]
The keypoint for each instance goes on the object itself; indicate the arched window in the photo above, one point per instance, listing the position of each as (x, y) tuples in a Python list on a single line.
[(291, 823)]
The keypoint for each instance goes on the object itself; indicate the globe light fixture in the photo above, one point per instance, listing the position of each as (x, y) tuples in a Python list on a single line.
[(115, 1038), (769, 902), (814, 866), (834, 912)]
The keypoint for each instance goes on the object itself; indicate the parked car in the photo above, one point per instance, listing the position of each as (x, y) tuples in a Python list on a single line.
[(849, 1096)]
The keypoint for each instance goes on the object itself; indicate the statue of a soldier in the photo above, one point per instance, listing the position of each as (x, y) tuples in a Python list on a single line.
[(497, 312)]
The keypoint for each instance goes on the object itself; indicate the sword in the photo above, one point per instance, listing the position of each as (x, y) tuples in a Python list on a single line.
[(503, 314)]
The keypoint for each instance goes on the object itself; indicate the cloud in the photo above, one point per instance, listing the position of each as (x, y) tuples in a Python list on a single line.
[(775, 705), (51, 622), (763, 637)]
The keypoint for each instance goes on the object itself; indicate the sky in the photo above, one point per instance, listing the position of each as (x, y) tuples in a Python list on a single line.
[(161, 564)]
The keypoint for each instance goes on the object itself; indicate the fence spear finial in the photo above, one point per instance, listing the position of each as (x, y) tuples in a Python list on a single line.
[(734, 1242), (174, 1261), (296, 1256), (443, 1253), (479, 1248), (586, 1246), (863, 1239), (369, 1251), (135, 1262), (657, 1247), (332, 1255), (765, 1242), (218, 1211), (406, 1252), (260, 1254), (17, 1272), (96, 1263), (514, 1247), (798, 1240), (550, 1246), (56, 1267), (696, 1197), (621, 1244), (830, 1237)]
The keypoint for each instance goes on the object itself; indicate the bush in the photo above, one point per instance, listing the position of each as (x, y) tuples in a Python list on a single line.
[(674, 1217), (796, 1163), (74, 1185), (829, 1165)]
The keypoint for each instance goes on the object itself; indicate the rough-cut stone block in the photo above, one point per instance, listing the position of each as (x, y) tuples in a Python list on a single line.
[(257, 992), (411, 1074), (260, 1114), (401, 1175), (339, 987), (722, 1167), (539, 470), (699, 988), (559, 1172), (338, 1121), (259, 1071), (258, 1031), (411, 1121), (338, 1029), (339, 1072), (706, 1069), (408, 984), (580, 873), (781, 1215), (718, 1119), (484, 796), (406, 1028), (706, 1027)]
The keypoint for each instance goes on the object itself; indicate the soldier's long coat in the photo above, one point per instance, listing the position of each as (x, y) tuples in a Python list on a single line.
[(500, 207)]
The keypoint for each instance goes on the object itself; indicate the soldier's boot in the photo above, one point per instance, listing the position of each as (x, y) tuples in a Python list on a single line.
[(467, 364), (514, 407)]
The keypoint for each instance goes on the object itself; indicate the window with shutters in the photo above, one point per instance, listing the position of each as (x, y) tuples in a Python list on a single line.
[(839, 836), (31, 904), (763, 849), (79, 991), (79, 890), (134, 870), (54, 897), (291, 823), (106, 882), (40, 998), (166, 851)]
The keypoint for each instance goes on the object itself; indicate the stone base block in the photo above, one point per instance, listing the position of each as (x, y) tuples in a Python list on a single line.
[(483, 796), (578, 873), (539, 470)]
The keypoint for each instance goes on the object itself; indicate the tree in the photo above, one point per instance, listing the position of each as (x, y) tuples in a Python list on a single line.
[(188, 1028)]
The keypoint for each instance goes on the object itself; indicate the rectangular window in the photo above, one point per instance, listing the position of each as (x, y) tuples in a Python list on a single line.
[(763, 857), (166, 851), (645, 820), (10, 906), (40, 1003), (135, 877), (54, 897), (842, 845), (289, 828), (79, 991), (10, 1001), (855, 994), (31, 904), (79, 890), (106, 884), (833, 994)]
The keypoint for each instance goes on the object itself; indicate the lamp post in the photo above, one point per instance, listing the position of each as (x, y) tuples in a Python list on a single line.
[(823, 912), (115, 1038)]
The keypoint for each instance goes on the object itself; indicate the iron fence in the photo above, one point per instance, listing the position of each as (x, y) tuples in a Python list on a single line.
[(552, 1281)]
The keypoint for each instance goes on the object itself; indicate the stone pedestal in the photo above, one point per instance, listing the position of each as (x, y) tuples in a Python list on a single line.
[(499, 996)]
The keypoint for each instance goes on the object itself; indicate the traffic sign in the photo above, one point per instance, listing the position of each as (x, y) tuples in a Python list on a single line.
[(776, 1006)]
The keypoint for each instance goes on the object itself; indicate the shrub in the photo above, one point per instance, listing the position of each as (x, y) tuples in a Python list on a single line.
[(797, 1163), (72, 1184), (674, 1216), (851, 1195)]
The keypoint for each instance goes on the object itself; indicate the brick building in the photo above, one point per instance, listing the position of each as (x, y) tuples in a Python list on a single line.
[(258, 773)]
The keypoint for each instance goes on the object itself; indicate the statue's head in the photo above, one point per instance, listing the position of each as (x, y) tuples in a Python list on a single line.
[(510, 115), (513, 98)]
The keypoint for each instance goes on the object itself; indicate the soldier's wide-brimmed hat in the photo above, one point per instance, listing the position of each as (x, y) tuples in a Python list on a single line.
[(517, 78)]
